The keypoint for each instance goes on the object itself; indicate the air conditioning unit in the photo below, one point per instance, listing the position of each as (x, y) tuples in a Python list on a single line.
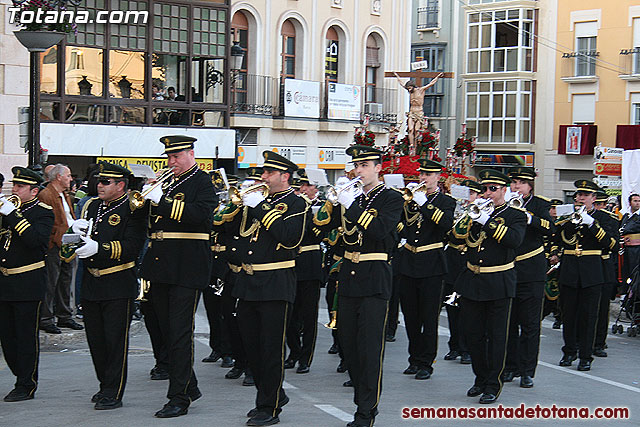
[(372, 108)]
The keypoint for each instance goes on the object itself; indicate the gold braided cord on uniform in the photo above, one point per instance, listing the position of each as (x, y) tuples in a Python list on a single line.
[(255, 226), (304, 225), (411, 219), (348, 232), (572, 241)]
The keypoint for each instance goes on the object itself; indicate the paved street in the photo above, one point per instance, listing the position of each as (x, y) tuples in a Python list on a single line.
[(67, 381)]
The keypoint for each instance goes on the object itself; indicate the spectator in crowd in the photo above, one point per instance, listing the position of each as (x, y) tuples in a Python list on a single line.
[(57, 302), (171, 94), (156, 93)]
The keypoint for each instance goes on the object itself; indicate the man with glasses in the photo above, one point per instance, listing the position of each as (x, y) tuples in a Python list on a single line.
[(109, 284), (488, 284), (581, 275)]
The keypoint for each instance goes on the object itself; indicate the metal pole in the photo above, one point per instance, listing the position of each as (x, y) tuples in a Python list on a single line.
[(34, 110)]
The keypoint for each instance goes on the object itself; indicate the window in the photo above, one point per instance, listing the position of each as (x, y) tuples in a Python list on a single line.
[(636, 46), (635, 108), (288, 50), (500, 41), (240, 33), (371, 71), (499, 111), (586, 59), (331, 56), (433, 100), (584, 109), (428, 14)]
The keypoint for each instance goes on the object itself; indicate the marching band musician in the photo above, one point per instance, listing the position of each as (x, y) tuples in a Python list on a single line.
[(368, 223), (422, 264), (582, 239), (531, 267), (23, 247), (303, 327), (630, 229), (178, 263), (271, 230), (488, 284), (456, 263), (551, 288), (109, 283)]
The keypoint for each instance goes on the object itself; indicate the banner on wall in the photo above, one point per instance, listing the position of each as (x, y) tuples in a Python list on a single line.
[(343, 102), (301, 98)]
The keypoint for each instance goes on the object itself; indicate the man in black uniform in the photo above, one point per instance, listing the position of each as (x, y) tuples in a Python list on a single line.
[(531, 267), (551, 288), (488, 285), (581, 274), (178, 263), (109, 283), (23, 246), (426, 219), (368, 223), (630, 229), (302, 331), (271, 230), (456, 264)]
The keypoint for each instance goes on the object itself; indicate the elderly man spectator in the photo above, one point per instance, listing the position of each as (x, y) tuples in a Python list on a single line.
[(57, 301)]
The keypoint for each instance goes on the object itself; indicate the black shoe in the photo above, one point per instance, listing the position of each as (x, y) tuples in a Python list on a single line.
[(526, 381), (227, 362), (411, 370), (465, 359), (17, 395), (289, 363), (106, 403), (557, 324), (171, 411), (213, 357), (599, 352), (234, 373), (333, 349), (488, 398), (342, 367), (51, 329), (390, 338), (252, 413), (262, 419), (584, 365), (159, 374), (195, 394), (96, 397), (248, 380), (567, 359), (303, 368), (507, 377), (360, 423), (452, 355), (72, 324), (347, 384), (422, 374), (474, 391)]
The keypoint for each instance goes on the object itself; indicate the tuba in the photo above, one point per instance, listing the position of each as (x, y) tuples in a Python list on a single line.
[(13, 199), (248, 186), (136, 198), (333, 192)]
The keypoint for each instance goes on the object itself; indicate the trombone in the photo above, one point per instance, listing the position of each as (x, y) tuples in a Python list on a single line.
[(248, 186), (334, 192), (136, 198)]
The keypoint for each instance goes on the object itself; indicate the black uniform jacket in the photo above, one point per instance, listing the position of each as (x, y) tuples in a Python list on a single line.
[(120, 234), (611, 224), (531, 261), (24, 242), (368, 227), (582, 247), (309, 260), (425, 228), (186, 207), (279, 225), (491, 246)]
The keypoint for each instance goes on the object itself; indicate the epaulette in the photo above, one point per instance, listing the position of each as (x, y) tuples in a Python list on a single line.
[(611, 214), (543, 198), (44, 205)]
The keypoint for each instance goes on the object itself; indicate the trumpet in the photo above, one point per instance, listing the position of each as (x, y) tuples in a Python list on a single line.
[(476, 208), (136, 198), (334, 192), (576, 216), (333, 323), (517, 201), (13, 199), (248, 186), (408, 192)]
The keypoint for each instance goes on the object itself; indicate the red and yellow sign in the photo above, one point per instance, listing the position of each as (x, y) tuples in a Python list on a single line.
[(608, 169)]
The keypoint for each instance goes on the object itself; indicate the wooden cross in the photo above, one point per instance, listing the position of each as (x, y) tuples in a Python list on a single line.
[(419, 75)]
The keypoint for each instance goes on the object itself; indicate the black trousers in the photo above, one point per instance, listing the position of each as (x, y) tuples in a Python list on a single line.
[(394, 306), (107, 327), (263, 325), (151, 322), (602, 327), (176, 308), (486, 326), (361, 326), (421, 301), (218, 334), (332, 283), (57, 299), (230, 323), (20, 344), (579, 318), (524, 329), (303, 327), (456, 335)]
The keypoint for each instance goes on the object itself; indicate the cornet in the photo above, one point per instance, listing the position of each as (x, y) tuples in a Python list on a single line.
[(408, 192), (476, 208), (517, 201), (334, 192), (248, 186), (576, 216), (136, 198), (13, 199)]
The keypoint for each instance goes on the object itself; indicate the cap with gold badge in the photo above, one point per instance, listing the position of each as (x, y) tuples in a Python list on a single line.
[(302, 176), (254, 173), (111, 170), (473, 185), (275, 161), (427, 165), (175, 143), (492, 176), (586, 186), (522, 172), (22, 175), (361, 153)]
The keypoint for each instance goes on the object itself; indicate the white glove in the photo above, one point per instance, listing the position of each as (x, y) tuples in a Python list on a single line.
[(80, 226), (90, 248), (420, 198), (252, 199), (155, 195), (586, 218), (529, 218), (346, 198), (483, 218), (7, 207)]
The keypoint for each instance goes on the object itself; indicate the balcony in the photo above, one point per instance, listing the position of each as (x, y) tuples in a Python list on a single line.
[(579, 67), (630, 64), (428, 16)]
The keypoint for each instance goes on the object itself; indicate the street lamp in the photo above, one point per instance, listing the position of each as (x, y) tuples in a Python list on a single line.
[(237, 56)]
